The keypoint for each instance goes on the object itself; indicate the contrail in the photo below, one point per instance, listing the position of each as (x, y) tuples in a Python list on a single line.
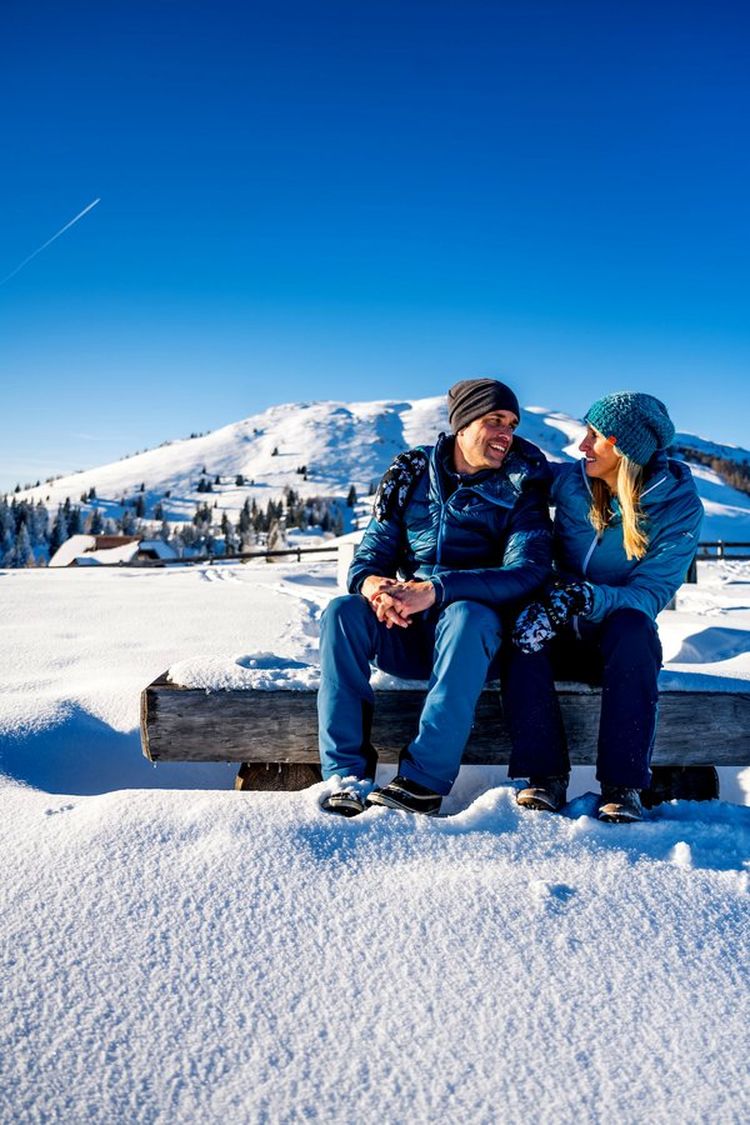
[(39, 249)]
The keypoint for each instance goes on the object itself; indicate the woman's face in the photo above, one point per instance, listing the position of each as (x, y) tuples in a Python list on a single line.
[(601, 458)]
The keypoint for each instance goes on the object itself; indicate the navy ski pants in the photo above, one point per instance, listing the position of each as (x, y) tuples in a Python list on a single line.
[(622, 654), (451, 646)]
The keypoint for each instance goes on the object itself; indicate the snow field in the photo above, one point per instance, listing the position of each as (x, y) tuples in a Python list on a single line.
[(221, 956), (176, 952)]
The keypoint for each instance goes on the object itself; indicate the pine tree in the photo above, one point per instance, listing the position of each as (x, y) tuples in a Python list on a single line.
[(22, 555), (351, 498), (96, 525), (59, 531)]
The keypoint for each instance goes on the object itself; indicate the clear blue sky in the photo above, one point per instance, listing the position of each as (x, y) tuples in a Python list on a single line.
[(366, 200)]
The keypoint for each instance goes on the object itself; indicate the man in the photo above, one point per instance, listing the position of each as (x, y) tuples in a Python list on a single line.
[(460, 531)]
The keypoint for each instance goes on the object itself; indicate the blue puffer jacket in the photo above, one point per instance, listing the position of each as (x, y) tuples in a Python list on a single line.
[(673, 514), (487, 539)]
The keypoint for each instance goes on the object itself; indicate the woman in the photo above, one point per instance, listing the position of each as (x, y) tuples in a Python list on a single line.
[(626, 529)]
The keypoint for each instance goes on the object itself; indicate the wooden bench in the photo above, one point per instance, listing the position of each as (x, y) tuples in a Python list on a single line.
[(274, 735)]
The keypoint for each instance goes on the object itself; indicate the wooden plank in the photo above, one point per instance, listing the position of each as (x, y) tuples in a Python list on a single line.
[(185, 724)]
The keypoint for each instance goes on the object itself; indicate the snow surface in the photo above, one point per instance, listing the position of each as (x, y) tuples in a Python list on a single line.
[(174, 951)]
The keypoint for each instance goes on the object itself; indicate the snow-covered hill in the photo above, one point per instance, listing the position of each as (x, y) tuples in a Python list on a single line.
[(339, 444)]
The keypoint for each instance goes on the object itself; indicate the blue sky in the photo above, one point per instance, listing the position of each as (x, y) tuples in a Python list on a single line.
[(335, 200)]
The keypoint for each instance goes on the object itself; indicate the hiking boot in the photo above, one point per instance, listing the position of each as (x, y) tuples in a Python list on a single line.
[(350, 799), (681, 783), (546, 794), (619, 805), (407, 795)]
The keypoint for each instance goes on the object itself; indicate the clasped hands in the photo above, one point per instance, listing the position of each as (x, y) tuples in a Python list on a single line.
[(394, 602)]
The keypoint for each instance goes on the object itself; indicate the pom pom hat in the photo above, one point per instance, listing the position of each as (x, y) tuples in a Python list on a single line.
[(637, 424), (471, 398)]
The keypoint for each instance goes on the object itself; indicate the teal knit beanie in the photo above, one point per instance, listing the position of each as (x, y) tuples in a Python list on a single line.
[(638, 424)]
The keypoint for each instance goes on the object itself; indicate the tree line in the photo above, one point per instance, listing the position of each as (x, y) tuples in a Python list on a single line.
[(734, 473), (30, 536)]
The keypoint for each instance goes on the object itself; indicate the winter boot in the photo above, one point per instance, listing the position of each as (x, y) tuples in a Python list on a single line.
[(619, 805), (407, 795), (681, 783), (546, 794), (349, 800)]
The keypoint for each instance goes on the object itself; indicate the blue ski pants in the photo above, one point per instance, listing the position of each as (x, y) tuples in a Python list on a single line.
[(450, 646), (622, 654)]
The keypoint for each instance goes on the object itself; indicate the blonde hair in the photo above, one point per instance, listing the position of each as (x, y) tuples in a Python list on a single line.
[(629, 484)]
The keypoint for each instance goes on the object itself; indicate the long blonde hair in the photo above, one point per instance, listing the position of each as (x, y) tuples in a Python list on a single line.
[(629, 484)]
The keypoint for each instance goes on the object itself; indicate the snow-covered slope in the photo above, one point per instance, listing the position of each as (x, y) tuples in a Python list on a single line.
[(340, 444)]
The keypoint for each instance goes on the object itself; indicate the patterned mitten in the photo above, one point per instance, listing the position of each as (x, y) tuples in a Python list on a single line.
[(533, 629), (398, 484), (574, 599)]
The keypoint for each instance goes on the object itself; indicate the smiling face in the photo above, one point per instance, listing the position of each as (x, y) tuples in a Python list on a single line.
[(602, 460), (484, 443)]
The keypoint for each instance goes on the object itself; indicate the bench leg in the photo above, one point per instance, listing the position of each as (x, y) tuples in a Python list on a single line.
[(276, 776), (681, 783)]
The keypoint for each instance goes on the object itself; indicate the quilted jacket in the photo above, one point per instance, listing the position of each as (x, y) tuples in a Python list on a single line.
[(485, 538), (673, 514)]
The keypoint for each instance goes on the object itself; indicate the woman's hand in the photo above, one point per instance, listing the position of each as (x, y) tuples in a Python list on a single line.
[(538, 623)]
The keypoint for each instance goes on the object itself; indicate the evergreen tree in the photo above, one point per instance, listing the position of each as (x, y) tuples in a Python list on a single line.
[(159, 511), (164, 531), (276, 540), (127, 523), (59, 532), (239, 480), (351, 498), (22, 555), (96, 526), (140, 506)]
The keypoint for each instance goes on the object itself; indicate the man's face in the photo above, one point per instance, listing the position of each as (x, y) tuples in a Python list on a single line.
[(484, 443)]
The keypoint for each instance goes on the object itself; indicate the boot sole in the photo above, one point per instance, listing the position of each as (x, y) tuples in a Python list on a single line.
[(392, 803), (343, 808), (537, 803), (618, 817)]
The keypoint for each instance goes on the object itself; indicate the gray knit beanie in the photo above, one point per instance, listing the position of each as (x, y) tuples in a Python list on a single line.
[(638, 424), (471, 398)]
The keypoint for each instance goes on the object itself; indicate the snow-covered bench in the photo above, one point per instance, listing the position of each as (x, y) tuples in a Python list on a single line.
[(274, 733)]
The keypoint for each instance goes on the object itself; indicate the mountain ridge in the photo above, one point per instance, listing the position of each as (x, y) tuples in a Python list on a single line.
[(322, 448)]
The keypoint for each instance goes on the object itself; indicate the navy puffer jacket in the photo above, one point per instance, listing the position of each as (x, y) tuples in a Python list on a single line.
[(486, 538)]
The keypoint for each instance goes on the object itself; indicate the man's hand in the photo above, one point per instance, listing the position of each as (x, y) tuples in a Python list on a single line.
[(377, 591), (412, 597), (394, 602)]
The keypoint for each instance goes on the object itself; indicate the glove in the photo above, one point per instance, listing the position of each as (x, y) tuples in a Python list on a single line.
[(396, 487), (574, 599), (533, 629), (540, 621)]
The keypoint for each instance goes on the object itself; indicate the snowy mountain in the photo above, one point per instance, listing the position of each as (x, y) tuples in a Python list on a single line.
[(322, 448)]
